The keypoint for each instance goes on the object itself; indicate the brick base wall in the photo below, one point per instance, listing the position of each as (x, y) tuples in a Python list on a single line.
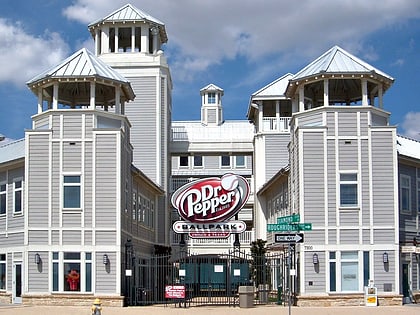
[(71, 300), (346, 300)]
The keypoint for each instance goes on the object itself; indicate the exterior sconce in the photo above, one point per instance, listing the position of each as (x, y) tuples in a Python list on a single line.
[(315, 259), (385, 258), (37, 259), (105, 259)]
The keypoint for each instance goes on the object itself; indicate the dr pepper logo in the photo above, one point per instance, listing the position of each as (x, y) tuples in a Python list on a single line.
[(211, 199)]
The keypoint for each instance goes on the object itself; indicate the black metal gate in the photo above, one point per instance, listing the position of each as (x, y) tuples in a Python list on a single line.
[(209, 279)]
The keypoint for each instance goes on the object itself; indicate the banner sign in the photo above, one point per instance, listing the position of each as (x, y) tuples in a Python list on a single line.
[(207, 204)]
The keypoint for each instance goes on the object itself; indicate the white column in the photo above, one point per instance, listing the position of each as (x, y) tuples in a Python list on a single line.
[(116, 40), (145, 39), (55, 95), (105, 40), (155, 32), (97, 41), (92, 95), (117, 100), (260, 118), (326, 93), (380, 96), (364, 93), (40, 100), (301, 98), (133, 38), (278, 115)]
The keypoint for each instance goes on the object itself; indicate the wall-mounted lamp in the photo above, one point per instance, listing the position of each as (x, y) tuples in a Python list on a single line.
[(315, 259), (105, 259), (385, 258), (37, 259)]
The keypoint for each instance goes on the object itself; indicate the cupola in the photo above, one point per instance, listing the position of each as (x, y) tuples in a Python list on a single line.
[(211, 105)]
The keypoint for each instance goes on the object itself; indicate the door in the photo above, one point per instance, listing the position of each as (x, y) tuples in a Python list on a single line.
[(17, 283)]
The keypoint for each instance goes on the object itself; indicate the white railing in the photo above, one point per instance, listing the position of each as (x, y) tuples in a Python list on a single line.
[(280, 124)]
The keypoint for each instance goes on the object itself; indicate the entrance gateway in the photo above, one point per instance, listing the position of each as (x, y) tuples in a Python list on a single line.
[(206, 207)]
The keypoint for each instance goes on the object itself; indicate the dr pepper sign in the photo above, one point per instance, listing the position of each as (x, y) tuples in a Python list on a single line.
[(207, 204)]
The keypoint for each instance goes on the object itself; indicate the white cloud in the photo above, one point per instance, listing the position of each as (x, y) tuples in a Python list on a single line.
[(24, 55), (206, 33), (410, 125)]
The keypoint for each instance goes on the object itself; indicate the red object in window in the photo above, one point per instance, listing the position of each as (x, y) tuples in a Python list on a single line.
[(73, 280)]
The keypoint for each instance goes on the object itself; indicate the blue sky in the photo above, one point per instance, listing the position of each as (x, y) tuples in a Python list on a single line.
[(239, 45)]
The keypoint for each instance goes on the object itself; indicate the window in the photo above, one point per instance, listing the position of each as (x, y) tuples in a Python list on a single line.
[(111, 37), (240, 161), (124, 39), (3, 199), (211, 98), (75, 273), (72, 191), (348, 190), (134, 210), (183, 161), (349, 271), (2, 271), (17, 197), (333, 272), (198, 161), (405, 193), (418, 195), (225, 160)]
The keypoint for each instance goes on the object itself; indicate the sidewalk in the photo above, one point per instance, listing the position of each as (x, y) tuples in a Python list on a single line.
[(411, 309)]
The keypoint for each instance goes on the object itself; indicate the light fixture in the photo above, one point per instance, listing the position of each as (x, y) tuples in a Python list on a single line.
[(37, 259), (315, 259), (105, 259), (385, 258)]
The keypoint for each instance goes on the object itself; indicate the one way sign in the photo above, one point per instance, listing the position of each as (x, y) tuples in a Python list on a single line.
[(289, 238)]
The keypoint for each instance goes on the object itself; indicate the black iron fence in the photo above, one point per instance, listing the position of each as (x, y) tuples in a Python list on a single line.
[(208, 279)]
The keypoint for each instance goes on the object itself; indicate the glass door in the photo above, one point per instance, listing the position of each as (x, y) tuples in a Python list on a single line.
[(17, 283)]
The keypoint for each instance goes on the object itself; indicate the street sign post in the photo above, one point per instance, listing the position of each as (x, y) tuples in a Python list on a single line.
[(289, 227), (294, 218), (288, 238)]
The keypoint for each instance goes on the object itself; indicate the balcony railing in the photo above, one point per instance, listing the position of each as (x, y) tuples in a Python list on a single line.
[(278, 124)]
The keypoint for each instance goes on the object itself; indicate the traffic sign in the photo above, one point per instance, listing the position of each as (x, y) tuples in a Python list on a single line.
[(289, 238), (289, 227), (289, 219)]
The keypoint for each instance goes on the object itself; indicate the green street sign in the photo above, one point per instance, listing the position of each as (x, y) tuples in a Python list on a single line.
[(289, 219), (289, 227)]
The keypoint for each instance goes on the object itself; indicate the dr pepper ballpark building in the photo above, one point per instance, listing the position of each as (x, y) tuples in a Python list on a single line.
[(85, 197)]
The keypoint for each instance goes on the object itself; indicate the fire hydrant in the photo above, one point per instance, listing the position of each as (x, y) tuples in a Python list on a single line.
[(96, 307)]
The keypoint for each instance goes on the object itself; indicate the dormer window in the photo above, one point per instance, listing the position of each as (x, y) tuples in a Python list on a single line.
[(211, 98)]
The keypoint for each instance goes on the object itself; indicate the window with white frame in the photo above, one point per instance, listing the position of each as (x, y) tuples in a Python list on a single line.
[(405, 193), (348, 190), (72, 272), (134, 210), (71, 191), (418, 195), (349, 271), (2, 271), (183, 161), (211, 98), (225, 161), (239, 161), (198, 161), (3, 199), (17, 197)]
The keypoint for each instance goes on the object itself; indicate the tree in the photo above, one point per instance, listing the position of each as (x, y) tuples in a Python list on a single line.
[(260, 270)]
